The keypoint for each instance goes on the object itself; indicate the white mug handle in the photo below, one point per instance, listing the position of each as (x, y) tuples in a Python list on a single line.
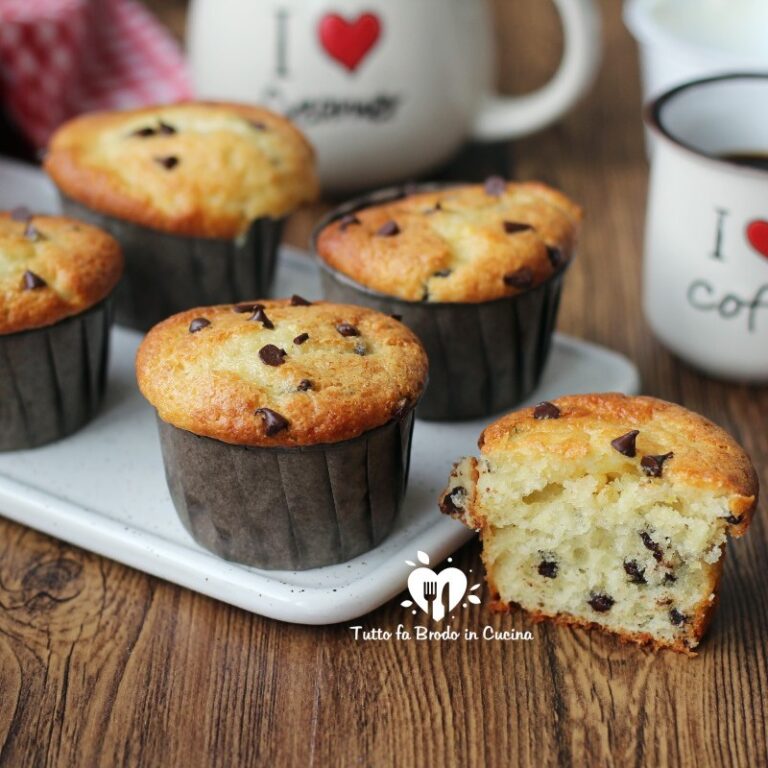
[(507, 117)]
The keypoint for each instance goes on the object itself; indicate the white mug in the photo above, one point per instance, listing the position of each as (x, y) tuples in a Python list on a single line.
[(682, 40), (385, 89), (705, 290)]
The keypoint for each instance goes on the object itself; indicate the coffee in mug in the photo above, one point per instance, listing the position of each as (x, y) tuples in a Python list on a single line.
[(757, 160)]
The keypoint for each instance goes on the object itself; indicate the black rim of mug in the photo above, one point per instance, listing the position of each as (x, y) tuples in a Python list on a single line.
[(652, 116)]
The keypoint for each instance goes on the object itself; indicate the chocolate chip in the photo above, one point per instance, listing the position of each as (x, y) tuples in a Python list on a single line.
[(437, 207), (548, 569), (669, 578), (546, 410), (301, 338), (652, 545), (21, 213), (32, 282), (165, 128), (31, 232), (243, 308), (257, 125), (144, 133), (442, 273), (299, 301), (360, 348), (448, 505), (169, 162), (521, 278), (304, 385), (388, 229), (513, 227), (348, 221), (273, 421), (399, 318), (654, 465), (198, 324), (625, 444), (635, 572), (555, 256), (260, 316), (345, 329), (272, 355), (601, 603), (677, 618), (495, 186), (733, 520)]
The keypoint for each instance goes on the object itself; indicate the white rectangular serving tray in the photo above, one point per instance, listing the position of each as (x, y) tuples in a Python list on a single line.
[(104, 489)]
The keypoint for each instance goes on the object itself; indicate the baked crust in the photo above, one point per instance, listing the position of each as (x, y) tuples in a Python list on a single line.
[(696, 630), (211, 382), (452, 245), (705, 455), (78, 264), (234, 164)]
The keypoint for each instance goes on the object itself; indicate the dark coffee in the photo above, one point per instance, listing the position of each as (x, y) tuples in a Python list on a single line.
[(752, 159)]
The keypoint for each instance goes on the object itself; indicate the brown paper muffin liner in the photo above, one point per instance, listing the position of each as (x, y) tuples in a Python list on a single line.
[(52, 379), (289, 508), (166, 274), (484, 357)]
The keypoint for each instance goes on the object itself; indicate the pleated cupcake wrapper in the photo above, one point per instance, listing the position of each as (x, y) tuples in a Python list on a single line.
[(52, 379), (166, 274), (289, 508), (484, 357)]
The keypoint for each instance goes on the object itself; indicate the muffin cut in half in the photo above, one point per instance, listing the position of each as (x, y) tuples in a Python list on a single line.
[(606, 510)]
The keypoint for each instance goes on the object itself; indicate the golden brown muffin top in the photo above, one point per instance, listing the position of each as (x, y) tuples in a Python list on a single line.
[(52, 267), (670, 441), (459, 244), (281, 373), (197, 169)]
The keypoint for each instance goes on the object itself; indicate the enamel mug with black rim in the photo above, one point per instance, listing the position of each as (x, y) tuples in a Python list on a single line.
[(385, 89), (705, 289)]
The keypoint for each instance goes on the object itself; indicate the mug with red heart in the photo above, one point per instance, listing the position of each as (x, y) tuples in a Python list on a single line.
[(706, 246), (385, 89)]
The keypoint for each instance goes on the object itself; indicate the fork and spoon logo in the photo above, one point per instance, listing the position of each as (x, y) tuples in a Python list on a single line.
[(437, 593)]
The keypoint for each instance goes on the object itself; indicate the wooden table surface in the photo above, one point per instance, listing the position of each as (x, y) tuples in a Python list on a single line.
[(103, 665)]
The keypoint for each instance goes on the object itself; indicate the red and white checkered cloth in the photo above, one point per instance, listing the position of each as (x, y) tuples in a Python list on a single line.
[(59, 58)]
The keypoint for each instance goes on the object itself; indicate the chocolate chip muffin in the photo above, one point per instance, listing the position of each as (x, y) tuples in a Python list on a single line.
[(285, 426), (475, 270), (56, 276), (196, 193), (608, 511)]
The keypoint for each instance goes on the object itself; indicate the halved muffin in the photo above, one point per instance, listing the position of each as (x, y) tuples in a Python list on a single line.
[(607, 510)]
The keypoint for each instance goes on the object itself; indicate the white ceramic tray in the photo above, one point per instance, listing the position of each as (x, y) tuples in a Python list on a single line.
[(103, 489)]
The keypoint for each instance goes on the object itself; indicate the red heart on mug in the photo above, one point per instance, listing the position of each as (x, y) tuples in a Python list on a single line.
[(349, 42), (757, 234)]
